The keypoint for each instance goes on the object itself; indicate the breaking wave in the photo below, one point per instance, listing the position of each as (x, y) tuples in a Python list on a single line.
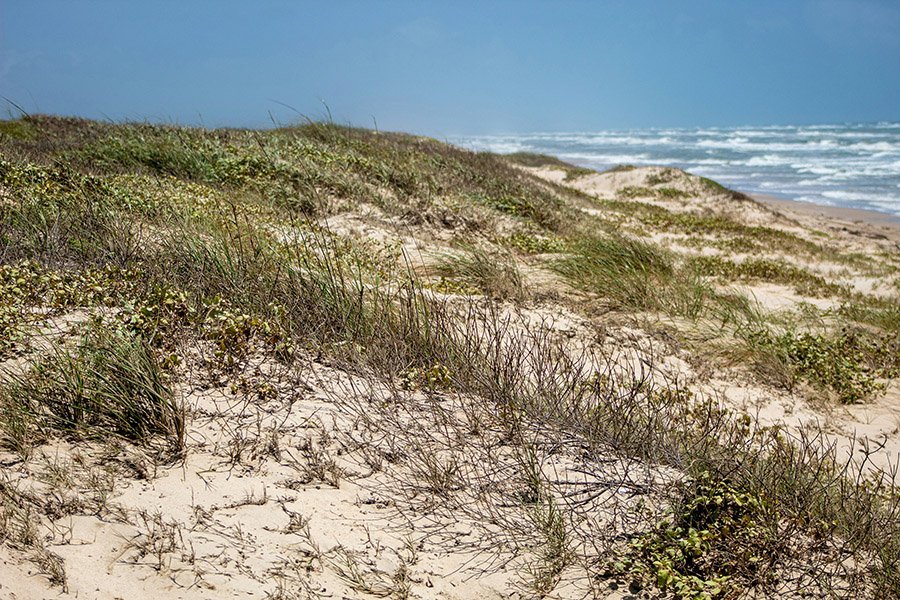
[(856, 165)]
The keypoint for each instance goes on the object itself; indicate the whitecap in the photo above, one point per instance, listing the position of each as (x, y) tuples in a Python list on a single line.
[(886, 147), (767, 160)]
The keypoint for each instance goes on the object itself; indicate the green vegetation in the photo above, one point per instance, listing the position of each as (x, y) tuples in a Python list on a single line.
[(532, 159), (664, 176), (27, 286), (533, 243), (716, 230), (881, 313), (18, 128), (774, 271), (638, 276), (620, 169), (627, 271), (133, 256), (637, 192), (848, 363), (668, 193), (111, 383), (716, 543), (435, 377), (718, 188), (493, 274)]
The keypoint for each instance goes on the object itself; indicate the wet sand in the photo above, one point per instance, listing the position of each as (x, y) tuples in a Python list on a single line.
[(870, 223)]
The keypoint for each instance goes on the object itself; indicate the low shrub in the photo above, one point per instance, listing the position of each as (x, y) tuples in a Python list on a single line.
[(840, 363), (716, 543)]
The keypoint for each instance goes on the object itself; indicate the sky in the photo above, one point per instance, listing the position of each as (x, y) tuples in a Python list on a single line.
[(456, 67)]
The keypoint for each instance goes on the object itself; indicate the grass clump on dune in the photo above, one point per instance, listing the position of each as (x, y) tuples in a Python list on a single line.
[(495, 274), (108, 383), (238, 282), (532, 159), (627, 271), (668, 193), (635, 275)]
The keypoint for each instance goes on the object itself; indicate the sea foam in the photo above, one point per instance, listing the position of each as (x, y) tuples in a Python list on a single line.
[(855, 165)]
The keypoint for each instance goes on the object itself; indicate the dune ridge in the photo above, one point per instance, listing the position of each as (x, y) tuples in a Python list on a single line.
[(324, 362)]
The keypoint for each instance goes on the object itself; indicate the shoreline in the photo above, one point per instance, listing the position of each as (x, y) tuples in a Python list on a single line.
[(853, 220)]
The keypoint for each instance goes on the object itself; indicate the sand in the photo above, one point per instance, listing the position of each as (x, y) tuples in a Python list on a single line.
[(852, 220), (299, 494)]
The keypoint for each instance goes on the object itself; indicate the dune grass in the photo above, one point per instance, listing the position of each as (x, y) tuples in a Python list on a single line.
[(638, 276), (764, 269), (247, 270), (495, 274), (109, 383), (532, 159)]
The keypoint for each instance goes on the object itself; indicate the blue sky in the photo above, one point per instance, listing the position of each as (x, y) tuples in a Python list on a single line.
[(457, 67)]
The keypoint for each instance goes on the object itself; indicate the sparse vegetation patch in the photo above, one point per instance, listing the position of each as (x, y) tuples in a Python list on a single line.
[(214, 296)]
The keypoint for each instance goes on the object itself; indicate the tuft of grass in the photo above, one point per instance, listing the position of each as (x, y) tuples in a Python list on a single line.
[(620, 169), (718, 188), (53, 213), (19, 129), (668, 193), (623, 269), (158, 150), (110, 384), (495, 274), (881, 313), (664, 176), (635, 275)]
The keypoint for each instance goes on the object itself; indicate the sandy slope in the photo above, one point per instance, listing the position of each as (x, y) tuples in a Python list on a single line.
[(295, 490), (853, 231), (271, 499)]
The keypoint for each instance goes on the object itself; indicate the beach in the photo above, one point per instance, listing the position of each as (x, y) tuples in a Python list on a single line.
[(852, 165), (450, 301), (870, 222), (330, 362)]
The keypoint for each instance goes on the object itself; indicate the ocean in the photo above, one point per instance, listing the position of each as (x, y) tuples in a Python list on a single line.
[(850, 165)]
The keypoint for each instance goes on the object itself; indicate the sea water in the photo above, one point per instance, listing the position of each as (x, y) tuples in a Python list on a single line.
[(850, 165)]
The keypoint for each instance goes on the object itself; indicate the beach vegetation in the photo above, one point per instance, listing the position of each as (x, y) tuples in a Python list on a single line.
[(495, 274), (162, 256), (848, 364), (768, 270), (636, 276), (533, 243), (620, 169), (17, 128), (104, 383), (715, 542), (532, 159), (663, 176)]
